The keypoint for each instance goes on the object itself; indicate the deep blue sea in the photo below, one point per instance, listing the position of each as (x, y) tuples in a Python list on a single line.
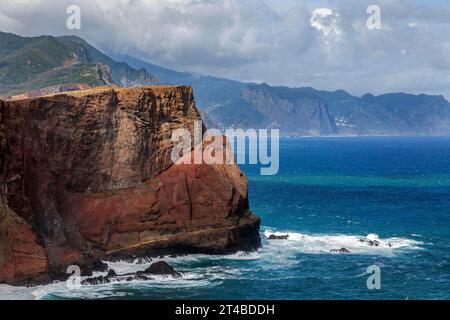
[(329, 194)]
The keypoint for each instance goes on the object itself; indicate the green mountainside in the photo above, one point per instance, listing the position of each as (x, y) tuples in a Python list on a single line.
[(30, 63)]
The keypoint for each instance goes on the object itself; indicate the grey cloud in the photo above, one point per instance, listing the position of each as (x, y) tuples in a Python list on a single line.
[(253, 40)]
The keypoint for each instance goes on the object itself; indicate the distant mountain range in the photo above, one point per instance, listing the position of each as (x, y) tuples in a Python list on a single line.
[(28, 64)]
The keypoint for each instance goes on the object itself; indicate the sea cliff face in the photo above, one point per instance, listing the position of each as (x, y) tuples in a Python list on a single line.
[(87, 175)]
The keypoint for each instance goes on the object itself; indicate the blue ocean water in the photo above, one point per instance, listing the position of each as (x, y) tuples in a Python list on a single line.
[(329, 194)]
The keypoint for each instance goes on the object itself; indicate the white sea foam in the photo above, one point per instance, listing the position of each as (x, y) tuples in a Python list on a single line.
[(241, 255), (197, 274), (16, 293), (324, 243)]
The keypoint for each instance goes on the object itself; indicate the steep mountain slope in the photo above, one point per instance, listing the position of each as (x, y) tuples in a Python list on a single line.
[(30, 63), (294, 112)]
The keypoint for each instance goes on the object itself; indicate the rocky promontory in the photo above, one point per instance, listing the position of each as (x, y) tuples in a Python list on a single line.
[(87, 175)]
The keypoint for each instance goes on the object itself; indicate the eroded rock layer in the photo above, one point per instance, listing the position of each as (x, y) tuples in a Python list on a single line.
[(87, 175)]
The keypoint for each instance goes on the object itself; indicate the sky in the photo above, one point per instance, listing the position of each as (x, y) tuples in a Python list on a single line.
[(323, 44)]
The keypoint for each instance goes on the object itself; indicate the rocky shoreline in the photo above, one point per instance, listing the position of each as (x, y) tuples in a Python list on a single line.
[(160, 268)]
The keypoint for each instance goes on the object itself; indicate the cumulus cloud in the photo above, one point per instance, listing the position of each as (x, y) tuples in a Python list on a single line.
[(319, 43), (326, 21)]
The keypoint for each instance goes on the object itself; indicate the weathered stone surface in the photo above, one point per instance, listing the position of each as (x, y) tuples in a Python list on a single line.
[(21, 257), (89, 174)]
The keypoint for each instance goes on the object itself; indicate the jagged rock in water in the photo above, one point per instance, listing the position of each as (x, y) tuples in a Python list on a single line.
[(111, 276), (372, 243), (87, 175), (162, 268), (96, 281), (157, 268), (111, 273)]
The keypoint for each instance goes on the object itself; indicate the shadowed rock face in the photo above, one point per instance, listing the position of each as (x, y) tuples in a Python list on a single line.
[(87, 175), (20, 253)]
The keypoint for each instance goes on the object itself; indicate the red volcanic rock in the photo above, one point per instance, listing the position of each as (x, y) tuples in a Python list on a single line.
[(21, 257), (88, 174)]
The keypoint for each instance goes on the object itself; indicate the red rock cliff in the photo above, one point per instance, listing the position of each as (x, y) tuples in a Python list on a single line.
[(87, 175)]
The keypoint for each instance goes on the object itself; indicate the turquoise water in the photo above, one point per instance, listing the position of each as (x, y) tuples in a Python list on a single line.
[(329, 193)]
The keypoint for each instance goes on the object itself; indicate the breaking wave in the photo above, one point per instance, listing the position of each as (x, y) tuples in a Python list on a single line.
[(200, 270), (325, 243)]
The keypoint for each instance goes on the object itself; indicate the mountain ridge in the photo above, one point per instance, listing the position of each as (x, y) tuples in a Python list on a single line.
[(397, 113), (38, 64)]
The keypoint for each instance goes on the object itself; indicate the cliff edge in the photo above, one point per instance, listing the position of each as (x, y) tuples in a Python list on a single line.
[(87, 175)]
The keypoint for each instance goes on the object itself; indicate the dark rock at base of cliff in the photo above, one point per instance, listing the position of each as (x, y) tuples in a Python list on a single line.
[(110, 277), (96, 281), (100, 266), (160, 268), (275, 237), (222, 240), (157, 268), (111, 273)]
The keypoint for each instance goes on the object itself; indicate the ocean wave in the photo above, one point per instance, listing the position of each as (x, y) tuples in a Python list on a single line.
[(242, 255), (8, 292), (201, 270), (356, 244)]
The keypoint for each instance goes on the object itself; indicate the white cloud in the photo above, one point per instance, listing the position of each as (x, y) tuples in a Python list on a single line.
[(327, 22)]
